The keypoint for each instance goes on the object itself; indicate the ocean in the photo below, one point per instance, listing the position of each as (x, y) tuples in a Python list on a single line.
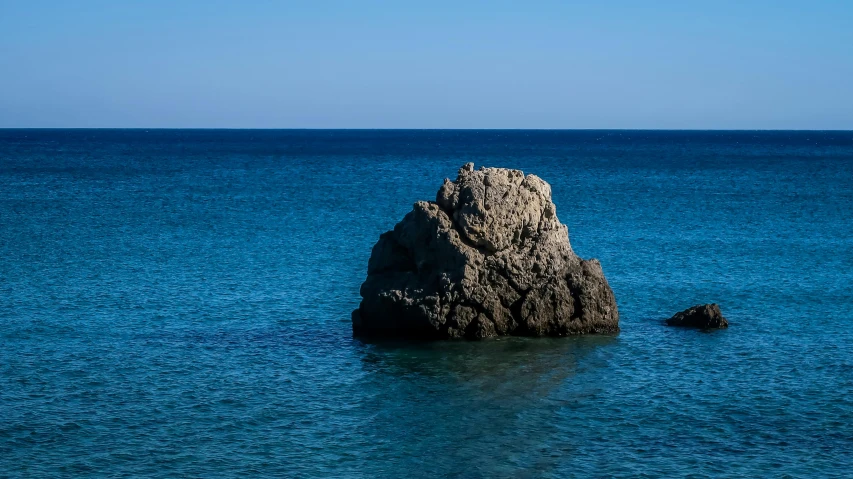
[(176, 303)]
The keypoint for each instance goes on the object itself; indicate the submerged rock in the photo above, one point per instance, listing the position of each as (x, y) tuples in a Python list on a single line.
[(489, 257), (704, 316)]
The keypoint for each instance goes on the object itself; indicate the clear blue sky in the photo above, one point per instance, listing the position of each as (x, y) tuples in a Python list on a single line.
[(431, 64)]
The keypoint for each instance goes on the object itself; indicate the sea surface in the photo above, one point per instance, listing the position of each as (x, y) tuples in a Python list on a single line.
[(176, 303)]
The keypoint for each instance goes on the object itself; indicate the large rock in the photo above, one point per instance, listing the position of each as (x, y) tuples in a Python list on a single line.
[(489, 257), (703, 316)]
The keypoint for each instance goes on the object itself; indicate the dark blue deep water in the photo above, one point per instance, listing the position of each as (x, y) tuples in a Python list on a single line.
[(177, 303)]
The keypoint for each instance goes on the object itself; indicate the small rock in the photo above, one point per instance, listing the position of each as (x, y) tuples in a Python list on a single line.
[(703, 316)]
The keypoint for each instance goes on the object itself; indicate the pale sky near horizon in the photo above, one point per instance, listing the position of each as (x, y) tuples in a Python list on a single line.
[(437, 64)]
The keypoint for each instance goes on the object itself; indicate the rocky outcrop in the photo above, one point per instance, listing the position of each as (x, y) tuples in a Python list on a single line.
[(703, 316), (489, 257)]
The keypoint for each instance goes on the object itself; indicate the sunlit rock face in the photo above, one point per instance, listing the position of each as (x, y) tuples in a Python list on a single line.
[(489, 257)]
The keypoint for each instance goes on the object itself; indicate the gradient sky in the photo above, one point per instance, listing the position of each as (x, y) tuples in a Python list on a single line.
[(430, 64)]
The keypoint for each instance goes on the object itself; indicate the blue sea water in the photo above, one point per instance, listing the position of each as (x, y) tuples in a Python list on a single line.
[(176, 303)]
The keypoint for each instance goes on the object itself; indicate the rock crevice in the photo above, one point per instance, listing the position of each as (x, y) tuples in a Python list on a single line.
[(489, 257)]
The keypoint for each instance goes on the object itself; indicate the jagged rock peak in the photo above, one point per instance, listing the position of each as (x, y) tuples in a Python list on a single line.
[(489, 257)]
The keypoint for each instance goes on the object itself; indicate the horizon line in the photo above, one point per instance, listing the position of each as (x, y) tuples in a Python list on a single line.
[(427, 129)]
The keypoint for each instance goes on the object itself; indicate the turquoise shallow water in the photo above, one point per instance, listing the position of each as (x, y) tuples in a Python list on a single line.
[(176, 303)]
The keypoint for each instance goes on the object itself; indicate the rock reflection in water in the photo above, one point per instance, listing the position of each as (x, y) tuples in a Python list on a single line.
[(499, 395)]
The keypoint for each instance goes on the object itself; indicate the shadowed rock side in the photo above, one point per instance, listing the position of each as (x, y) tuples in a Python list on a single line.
[(489, 257), (704, 316)]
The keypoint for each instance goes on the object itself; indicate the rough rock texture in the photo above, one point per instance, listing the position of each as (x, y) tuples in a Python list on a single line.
[(489, 257), (704, 316)]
